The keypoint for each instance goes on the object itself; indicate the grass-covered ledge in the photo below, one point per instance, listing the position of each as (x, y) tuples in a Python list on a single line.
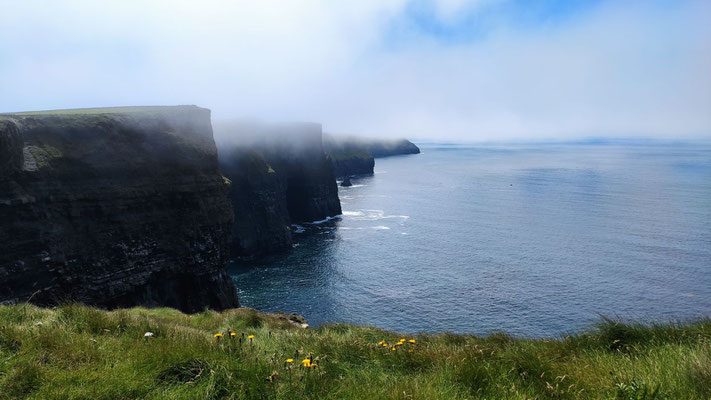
[(77, 352)]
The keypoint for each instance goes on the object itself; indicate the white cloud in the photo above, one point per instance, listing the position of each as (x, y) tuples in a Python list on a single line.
[(619, 69)]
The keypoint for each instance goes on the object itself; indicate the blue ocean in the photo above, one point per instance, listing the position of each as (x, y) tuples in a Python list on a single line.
[(536, 240)]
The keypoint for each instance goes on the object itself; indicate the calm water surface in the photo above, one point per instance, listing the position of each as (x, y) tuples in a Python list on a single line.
[(534, 240)]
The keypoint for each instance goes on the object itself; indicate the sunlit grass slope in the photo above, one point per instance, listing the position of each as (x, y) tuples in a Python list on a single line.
[(77, 352)]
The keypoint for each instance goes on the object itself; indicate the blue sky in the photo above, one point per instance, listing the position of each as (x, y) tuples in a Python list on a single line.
[(473, 22), (455, 69)]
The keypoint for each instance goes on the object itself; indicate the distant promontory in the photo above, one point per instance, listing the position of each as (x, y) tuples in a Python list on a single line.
[(352, 155)]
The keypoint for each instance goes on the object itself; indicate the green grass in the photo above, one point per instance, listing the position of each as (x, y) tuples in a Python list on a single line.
[(78, 352)]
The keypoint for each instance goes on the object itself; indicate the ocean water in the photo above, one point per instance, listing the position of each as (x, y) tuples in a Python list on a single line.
[(535, 240)]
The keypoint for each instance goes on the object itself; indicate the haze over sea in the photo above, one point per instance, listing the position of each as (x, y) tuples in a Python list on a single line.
[(531, 239)]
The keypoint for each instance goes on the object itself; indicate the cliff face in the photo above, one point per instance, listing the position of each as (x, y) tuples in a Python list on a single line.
[(280, 175), (356, 156), (115, 208), (386, 148), (349, 156), (258, 196)]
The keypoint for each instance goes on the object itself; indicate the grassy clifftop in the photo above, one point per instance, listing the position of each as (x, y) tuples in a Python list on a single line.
[(102, 110), (80, 352)]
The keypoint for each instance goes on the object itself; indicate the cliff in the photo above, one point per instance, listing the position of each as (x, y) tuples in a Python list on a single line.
[(280, 175), (258, 196), (386, 148), (349, 156), (356, 156), (115, 208)]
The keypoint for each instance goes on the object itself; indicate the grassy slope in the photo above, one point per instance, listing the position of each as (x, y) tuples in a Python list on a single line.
[(80, 352)]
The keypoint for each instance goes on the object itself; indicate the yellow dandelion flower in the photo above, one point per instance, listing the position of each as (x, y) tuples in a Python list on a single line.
[(381, 342), (217, 335), (412, 341), (394, 348), (233, 334), (402, 339), (289, 360), (306, 362), (250, 337), (385, 345)]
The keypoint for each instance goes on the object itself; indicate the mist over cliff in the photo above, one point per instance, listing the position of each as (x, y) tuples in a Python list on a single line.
[(466, 70), (279, 175), (355, 155), (114, 207)]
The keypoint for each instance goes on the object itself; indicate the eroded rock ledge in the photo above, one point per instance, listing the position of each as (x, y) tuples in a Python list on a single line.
[(114, 207)]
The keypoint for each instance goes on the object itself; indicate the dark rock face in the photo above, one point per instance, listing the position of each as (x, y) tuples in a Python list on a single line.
[(353, 166), (10, 148), (346, 182), (349, 156), (356, 156), (258, 196), (115, 208), (280, 175)]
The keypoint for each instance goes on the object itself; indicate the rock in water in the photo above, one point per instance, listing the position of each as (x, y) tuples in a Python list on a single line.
[(115, 208), (346, 182)]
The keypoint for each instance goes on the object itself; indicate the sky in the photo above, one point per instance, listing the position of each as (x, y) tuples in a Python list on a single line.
[(471, 70)]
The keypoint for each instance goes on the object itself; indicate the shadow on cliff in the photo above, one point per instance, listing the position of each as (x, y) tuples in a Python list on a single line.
[(279, 175), (115, 208)]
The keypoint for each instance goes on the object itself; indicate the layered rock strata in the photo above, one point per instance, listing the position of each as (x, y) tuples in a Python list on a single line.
[(115, 208)]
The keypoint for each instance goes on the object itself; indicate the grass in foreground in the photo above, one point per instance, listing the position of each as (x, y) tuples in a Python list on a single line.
[(77, 352)]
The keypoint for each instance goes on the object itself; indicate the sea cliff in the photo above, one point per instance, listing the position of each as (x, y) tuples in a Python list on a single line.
[(279, 176), (352, 155), (114, 207)]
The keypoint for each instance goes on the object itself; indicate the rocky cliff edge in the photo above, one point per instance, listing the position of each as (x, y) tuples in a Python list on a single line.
[(114, 207)]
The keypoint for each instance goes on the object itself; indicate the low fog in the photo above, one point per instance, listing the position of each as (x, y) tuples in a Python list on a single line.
[(438, 69)]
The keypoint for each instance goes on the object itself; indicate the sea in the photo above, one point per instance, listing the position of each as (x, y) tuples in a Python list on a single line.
[(531, 239)]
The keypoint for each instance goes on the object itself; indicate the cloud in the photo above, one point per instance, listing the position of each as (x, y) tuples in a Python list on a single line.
[(611, 69)]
